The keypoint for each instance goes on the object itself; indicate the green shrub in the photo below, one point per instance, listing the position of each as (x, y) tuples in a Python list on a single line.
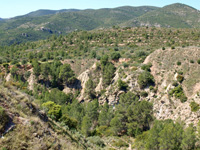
[(173, 47), (147, 67), (180, 72), (192, 61), (115, 56), (198, 61), (144, 94), (96, 140), (122, 85), (180, 78), (3, 119), (70, 122), (53, 110), (120, 143), (125, 65), (27, 74), (175, 83), (151, 88), (178, 63), (194, 106), (178, 93), (163, 48), (145, 79)]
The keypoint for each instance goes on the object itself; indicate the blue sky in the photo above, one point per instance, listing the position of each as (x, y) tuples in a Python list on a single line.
[(11, 8)]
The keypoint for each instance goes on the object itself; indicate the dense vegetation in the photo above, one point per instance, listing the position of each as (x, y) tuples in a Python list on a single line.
[(169, 135), (51, 64)]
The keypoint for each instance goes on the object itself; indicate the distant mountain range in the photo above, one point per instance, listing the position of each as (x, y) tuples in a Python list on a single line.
[(43, 12), (43, 23)]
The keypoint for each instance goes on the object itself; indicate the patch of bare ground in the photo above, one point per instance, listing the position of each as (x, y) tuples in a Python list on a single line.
[(164, 67)]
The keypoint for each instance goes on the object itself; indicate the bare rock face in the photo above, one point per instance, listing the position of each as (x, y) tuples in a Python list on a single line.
[(8, 77), (166, 108), (83, 77), (164, 67), (31, 80), (100, 85)]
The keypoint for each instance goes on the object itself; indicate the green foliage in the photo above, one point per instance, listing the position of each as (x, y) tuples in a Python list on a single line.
[(180, 78), (178, 63), (198, 61), (36, 68), (122, 85), (27, 74), (92, 110), (67, 74), (89, 88), (125, 65), (75, 110), (192, 61), (132, 117), (144, 94), (86, 125), (54, 111), (194, 106), (108, 73), (96, 140), (146, 67), (3, 119), (115, 56), (140, 115), (118, 125), (170, 136), (93, 54), (175, 83), (57, 96), (104, 60), (120, 143), (189, 138), (178, 93), (167, 135), (145, 79), (70, 122), (173, 47), (14, 70), (105, 115)]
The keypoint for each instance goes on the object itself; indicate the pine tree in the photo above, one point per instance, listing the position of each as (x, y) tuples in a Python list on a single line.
[(189, 138), (86, 125), (105, 115)]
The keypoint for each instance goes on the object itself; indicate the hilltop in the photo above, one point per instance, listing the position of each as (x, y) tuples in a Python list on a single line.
[(43, 12), (175, 15)]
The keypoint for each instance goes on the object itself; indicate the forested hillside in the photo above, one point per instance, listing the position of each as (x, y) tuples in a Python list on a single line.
[(44, 23), (118, 88)]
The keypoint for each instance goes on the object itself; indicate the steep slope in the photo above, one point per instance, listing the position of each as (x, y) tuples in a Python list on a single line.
[(175, 15), (28, 127), (167, 72)]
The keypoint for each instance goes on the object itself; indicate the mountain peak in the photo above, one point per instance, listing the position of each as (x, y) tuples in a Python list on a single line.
[(179, 5)]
